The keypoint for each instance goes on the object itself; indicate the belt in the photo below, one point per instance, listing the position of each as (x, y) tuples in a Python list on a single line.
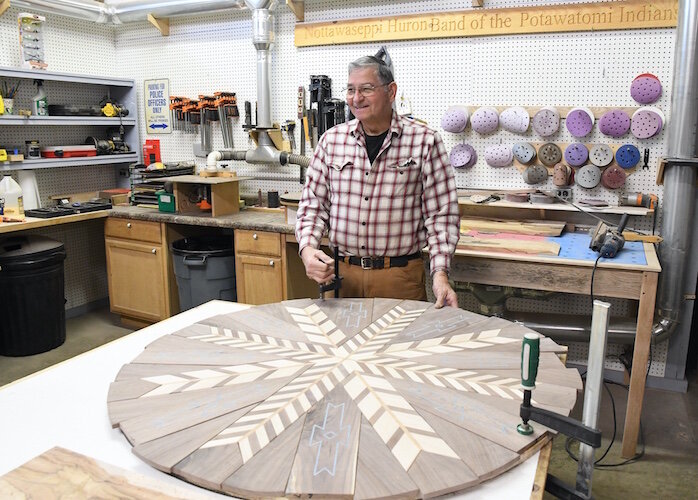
[(381, 262)]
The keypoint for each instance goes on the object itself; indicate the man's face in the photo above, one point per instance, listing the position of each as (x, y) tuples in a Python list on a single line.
[(376, 107)]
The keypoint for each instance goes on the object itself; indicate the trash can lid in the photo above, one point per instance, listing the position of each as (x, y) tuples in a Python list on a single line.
[(18, 247), (204, 245)]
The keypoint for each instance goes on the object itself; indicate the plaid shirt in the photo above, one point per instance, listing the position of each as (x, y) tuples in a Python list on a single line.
[(396, 206)]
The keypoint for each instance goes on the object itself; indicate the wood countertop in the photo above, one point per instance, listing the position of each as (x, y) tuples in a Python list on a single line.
[(34, 222)]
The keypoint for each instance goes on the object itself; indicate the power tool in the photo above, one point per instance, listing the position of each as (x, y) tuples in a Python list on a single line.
[(608, 241)]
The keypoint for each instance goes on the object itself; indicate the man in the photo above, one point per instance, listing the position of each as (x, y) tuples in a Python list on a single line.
[(385, 187)]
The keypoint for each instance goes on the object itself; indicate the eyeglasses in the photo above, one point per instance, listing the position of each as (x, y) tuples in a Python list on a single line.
[(365, 90)]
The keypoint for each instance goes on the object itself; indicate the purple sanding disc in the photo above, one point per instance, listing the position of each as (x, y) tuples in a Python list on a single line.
[(498, 156), (462, 156), (484, 120), (646, 124), (614, 123), (546, 122), (576, 154), (454, 120), (579, 123), (646, 89)]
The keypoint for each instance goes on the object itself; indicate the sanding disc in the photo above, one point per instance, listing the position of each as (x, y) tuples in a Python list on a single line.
[(601, 155), (588, 176), (462, 156), (627, 156), (549, 154), (562, 174), (613, 177), (646, 123), (498, 156), (535, 174), (646, 88), (455, 119), (524, 152), (485, 120), (614, 123), (516, 197), (515, 119), (546, 121), (542, 198), (579, 122), (576, 154)]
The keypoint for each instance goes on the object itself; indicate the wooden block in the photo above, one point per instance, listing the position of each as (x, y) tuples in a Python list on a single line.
[(61, 473), (162, 24), (484, 225), (480, 241)]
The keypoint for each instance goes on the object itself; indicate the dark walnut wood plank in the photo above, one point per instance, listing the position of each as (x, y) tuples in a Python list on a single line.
[(276, 460), (342, 398), (378, 473), (325, 461)]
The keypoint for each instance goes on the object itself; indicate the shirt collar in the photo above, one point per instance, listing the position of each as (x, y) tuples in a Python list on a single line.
[(395, 127)]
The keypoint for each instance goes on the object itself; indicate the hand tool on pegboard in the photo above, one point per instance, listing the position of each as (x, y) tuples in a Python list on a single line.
[(301, 118), (177, 104), (227, 106), (209, 113), (192, 116), (289, 127), (336, 283), (646, 159)]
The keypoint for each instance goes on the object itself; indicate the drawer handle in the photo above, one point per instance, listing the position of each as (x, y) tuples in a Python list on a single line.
[(128, 225), (254, 236), (154, 251), (271, 263)]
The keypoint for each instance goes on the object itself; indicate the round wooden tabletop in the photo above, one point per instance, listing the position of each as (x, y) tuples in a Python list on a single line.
[(362, 398)]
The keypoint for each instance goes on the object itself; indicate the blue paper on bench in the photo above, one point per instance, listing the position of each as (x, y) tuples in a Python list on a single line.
[(576, 246)]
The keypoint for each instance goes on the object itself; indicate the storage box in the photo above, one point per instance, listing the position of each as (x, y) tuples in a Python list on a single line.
[(166, 201), (80, 150)]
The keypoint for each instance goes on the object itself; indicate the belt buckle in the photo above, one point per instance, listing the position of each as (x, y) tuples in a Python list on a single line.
[(366, 263)]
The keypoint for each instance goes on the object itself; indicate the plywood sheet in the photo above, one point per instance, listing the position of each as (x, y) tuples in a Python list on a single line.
[(344, 398)]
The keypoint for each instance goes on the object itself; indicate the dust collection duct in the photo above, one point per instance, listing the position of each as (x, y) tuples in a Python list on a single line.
[(682, 148)]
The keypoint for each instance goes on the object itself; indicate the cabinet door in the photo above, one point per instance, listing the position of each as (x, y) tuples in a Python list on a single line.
[(259, 279), (136, 273)]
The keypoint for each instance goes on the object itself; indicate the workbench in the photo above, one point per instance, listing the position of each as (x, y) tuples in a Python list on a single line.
[(66, 405), (636, 281)]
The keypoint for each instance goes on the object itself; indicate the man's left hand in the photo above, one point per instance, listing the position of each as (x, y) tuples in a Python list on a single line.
[(445, 296)]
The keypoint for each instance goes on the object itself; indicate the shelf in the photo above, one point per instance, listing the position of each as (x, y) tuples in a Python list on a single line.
[(561, 207), (64, 77), (70, 162), (17, 120), (33, 222)]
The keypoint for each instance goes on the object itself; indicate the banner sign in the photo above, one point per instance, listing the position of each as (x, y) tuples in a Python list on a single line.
[(157, 106), (596, 16)]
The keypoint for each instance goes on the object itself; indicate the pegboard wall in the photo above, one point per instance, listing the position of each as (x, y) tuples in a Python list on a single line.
[(207, 53)]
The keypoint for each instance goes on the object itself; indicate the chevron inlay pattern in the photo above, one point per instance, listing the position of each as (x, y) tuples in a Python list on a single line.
[(305, 390)]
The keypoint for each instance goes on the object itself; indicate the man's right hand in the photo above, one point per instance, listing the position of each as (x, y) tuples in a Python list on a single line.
[(318, 265)]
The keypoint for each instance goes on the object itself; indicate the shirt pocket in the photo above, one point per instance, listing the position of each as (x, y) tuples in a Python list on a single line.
[(403, 176), (340, 171)]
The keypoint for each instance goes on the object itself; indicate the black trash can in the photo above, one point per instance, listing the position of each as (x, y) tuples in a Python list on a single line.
[(204, 267), (32, 295)]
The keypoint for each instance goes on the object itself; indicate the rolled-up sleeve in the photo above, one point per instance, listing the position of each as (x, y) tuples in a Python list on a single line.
[(439, 206), (314, 206)]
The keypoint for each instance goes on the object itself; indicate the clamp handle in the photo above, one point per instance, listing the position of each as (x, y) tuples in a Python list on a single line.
[(530, 355)]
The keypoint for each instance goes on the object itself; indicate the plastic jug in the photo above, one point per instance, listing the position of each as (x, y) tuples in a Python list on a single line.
[(11, 192), (30, 189)]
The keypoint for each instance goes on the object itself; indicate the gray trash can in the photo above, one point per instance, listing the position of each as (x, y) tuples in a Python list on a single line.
[(204, 267), (32, 295)]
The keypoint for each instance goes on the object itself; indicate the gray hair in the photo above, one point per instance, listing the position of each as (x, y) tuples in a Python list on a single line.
[(385, 76)]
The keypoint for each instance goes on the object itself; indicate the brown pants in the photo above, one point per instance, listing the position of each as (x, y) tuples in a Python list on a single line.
[(406, 282)]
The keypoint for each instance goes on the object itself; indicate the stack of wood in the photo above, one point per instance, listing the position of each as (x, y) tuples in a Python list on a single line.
[(510, 236)]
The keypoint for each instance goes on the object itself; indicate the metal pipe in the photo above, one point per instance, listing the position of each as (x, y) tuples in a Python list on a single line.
[(88, 10), (574, 328), (262, 38), (592, 392), (679, 173), (125, 11)]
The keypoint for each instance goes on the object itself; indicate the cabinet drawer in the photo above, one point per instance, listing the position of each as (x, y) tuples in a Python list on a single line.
[(132, 229), (258, 242)]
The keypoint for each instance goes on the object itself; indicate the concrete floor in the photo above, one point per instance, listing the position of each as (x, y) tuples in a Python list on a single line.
[(82, 334), (668, 470)]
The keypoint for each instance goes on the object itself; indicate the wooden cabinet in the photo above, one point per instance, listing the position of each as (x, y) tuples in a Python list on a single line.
[(139, 270), (259, 267)]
